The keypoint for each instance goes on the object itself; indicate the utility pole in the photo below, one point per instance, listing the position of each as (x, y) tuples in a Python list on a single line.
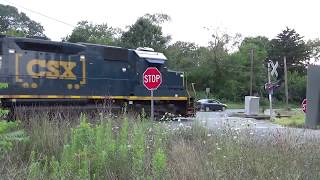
[(286, 81), (270, 93), (251, 71)]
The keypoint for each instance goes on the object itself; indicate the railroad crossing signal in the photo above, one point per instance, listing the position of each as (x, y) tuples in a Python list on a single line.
[(152, 78), (304, 105), (274, 68)]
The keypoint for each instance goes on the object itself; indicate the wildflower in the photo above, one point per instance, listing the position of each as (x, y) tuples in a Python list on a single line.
[(150, 129), (224, 156), (251, 133), (116, 127), (209, 135), (217, 144), (204, 142), (234, 137), (180, 124), (129, 146), (218, 148)]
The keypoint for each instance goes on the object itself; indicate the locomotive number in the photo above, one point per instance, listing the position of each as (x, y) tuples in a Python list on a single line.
[(51, 69)]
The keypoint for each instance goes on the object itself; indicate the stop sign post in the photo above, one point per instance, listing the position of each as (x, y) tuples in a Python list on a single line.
[(152, 79)]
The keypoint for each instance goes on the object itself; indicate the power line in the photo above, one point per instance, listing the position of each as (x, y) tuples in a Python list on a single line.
[(39, 13)]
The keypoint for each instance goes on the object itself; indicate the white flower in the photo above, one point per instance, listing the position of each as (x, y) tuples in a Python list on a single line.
[(224, 156), (208, 135), (204, 142), (218, 148), (234, 137), (180, 124), (251, 133), (129, 146)]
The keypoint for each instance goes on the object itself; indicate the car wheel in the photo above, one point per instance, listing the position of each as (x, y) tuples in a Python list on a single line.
[(207, 109)]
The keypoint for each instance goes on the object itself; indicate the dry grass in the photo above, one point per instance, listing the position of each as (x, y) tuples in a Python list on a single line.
[(190, 152)]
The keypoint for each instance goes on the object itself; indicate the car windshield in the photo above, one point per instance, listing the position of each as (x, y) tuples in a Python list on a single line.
[(213, 101)]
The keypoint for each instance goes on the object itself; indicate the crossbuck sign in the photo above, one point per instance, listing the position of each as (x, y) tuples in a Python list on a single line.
[(274, 68)]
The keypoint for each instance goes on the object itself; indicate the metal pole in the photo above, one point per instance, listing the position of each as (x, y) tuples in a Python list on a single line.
[(286, 81), (251, 73), (152, 106), (270, 94)]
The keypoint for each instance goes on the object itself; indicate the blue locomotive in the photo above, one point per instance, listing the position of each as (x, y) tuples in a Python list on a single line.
[(35, 72)]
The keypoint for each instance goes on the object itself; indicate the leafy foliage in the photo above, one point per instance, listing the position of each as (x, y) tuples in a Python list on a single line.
[(104, 151), (93, 33), (290, 44), (146, 32), (9, 134), (19, 24)]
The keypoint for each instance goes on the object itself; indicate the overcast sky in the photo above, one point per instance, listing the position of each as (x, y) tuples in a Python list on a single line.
[(189, 17)]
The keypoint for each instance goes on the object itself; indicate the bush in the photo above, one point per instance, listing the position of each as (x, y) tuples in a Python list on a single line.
[(105, 151)]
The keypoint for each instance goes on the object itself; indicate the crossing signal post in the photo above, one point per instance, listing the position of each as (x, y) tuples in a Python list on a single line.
[(152, 79), (272, 71)]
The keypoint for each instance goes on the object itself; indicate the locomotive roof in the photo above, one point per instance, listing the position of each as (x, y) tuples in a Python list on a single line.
[(48, 45)]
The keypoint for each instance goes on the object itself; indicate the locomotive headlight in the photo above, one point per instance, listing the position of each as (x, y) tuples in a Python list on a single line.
[(11, 51), (124, 69)]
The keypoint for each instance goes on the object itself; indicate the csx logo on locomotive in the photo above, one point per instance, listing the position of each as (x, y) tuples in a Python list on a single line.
[(51, 69), (74, 70)]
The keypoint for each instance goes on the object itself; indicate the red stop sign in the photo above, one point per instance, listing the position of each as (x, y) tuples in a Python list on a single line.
[(152, 78), (304, 105)]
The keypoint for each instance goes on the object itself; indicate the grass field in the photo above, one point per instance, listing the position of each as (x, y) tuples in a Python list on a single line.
[(296, 120), (57, 147)]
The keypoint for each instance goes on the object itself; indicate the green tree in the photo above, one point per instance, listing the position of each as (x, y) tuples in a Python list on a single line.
[(314, 45), (215, 68), (182, 56), (93, 33), (290, 44), (19, 24), (146, 32), (259, 45)]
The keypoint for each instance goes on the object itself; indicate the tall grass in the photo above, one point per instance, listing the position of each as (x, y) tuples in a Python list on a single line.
[(108, 150), (129, 148)]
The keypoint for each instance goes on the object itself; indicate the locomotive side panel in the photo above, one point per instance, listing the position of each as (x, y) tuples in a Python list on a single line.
[(35, 69)]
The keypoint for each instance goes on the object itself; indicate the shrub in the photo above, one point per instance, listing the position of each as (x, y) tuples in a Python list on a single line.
[(104, 151)]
